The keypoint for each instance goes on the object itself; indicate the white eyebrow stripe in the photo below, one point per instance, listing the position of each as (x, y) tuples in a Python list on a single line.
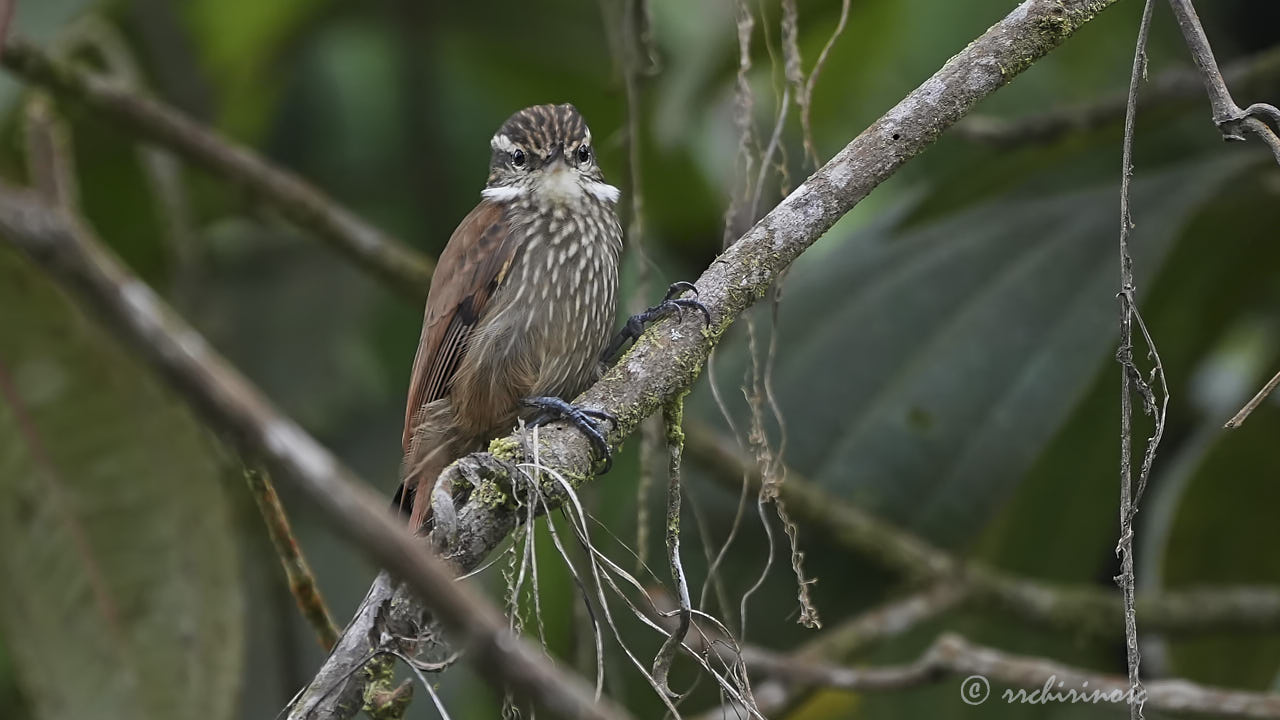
[(503, 143)]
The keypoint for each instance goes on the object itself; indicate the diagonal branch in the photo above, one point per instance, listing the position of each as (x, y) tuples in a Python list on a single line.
[(302, 582), (1230, 118), (383, 256), (74, 257)]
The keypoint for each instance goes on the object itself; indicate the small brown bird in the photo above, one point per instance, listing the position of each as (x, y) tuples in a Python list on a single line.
[(521, 302)]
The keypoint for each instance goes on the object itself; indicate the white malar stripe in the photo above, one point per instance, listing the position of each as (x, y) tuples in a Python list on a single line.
[(502, 193), (603, 191)]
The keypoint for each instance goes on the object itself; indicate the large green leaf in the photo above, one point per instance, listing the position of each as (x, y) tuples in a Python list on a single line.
[(954, 351), (122, 595)]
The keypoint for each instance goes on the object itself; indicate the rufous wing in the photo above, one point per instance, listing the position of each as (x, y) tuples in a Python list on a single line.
[(470, 269)]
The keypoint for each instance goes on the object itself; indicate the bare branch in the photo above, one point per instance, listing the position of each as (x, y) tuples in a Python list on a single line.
[(70, 253), (953, 656), (7, 8), (673, 420), (1170, 87), (803, 87), (777, 695), (383, 256), (302, 583), (1227, 115), (50, 157), (1077, 609), (1130, 377), (1253, 403)]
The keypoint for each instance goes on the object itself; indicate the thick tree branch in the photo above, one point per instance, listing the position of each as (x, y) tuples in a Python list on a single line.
[(1071, 608), (951, 656), (71, 254), (385, 257)]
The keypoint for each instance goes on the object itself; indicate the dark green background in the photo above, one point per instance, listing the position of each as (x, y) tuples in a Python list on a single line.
[(944, 354)]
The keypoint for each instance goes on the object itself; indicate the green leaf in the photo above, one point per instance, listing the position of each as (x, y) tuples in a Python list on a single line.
[(953, 352), (122, 591), (240, 42)]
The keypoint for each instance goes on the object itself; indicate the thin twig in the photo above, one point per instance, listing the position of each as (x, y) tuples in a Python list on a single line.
[(673, 420), (383, 256), (302, 583), (1129, 375), (777, 696), (50, 156), (1253, 403), (1227, 115), (806, 97), (1171, 87), (1077, 609), (595, 559), (639, 59), (1230, 118), (713, 567), (953, 656)]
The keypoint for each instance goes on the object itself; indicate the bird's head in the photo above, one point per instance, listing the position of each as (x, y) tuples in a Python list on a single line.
[(543, 154)]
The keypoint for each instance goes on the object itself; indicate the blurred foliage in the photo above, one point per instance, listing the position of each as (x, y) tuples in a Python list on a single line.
[(943, 356), (116, 545)]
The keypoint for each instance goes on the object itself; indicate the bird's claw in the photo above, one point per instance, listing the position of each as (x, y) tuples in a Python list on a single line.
[(672, 304), (585, 419)]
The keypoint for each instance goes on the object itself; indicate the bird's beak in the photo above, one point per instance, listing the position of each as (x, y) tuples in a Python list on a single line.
[(557, 153)]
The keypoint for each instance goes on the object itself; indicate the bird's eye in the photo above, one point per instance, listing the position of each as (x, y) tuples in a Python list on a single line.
[(584, 153), (517, 158)]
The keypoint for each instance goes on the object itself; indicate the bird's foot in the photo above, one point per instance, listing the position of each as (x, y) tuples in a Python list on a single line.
[(671, 304), (585, 419)]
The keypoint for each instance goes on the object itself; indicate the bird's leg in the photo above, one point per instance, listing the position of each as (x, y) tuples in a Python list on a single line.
[(634, 326), (585, 419)]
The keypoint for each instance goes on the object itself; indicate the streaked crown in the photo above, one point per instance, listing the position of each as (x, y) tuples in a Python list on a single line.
[(539, 129), (543, 153)]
